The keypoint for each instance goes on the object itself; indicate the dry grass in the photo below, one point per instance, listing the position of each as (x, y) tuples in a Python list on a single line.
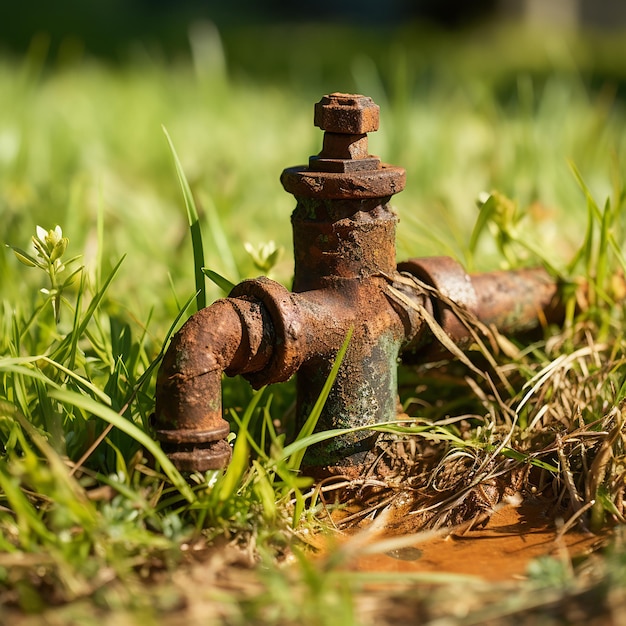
[(551, 428)]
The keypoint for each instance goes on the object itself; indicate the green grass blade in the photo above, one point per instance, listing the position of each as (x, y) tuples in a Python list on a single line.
[(393, 427), (100, 236), (75, 336), (70, 341), (602, 262), (24, 257), (300, 445), (75, 495), (126, 426), (194, 226), (220, 238), (239, 461), (484, 216), (17, 365), (29, 521), (223, 283), (309, 426)]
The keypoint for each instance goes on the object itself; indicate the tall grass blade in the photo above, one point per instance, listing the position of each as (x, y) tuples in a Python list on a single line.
[(100, 237), (75, 336), (585, 253), (70, 341), (602, 263), (485, 214), (220, 238), (194, 226), (17, 365), (29, 520), (433, 432), (241, 449), (78, 501)]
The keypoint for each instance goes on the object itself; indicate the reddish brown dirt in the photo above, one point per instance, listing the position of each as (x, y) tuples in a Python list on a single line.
[(500, 551)]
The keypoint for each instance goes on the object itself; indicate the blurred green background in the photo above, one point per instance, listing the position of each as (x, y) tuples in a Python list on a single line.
[(474, 97)]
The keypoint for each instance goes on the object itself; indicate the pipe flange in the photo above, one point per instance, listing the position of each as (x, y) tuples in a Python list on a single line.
[(189, 436), (377, 183), (452, 281), (288, 349), (213, 455)]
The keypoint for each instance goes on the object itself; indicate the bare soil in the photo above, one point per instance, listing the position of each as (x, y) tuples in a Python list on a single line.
[(499, 551)]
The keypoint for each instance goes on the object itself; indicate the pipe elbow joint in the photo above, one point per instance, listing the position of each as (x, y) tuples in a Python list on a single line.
[(254, 332), (233, 336), (188, 413)]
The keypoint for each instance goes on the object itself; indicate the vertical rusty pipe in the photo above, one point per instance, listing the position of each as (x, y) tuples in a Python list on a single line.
[(344, 243), (342, 248), (365, 390)]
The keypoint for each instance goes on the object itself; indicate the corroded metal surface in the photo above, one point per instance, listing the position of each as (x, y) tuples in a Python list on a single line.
[(344, 250), (449, 278), (386, 181), (330, 243), (365, 389), (518, 300), (348, 114), (285, 322), (344, 169), (188, 414), (510, 301), (344, 246)]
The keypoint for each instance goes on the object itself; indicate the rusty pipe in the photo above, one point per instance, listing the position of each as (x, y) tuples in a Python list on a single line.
[(365, 390), (266, 334), (518, 300), (344, 251), (511, 301), (233, 336)]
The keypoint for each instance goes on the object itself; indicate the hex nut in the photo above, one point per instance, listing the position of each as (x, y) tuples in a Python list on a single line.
[(347, 113)]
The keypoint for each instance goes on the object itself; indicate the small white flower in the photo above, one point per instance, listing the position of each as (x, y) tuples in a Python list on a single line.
[(53, 237), (483, 196)]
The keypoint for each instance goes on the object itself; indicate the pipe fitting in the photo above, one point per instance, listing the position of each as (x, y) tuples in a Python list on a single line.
[(509, 301), (286, 330), (452, 283), (344, 169), (345, 259), (233, 336)]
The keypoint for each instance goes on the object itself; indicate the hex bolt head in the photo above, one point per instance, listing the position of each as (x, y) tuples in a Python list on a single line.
[(344, 113)]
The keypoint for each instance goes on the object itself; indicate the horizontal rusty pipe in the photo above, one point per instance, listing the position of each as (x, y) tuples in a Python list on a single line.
[(344, 250), (518, 300), (512, 302)]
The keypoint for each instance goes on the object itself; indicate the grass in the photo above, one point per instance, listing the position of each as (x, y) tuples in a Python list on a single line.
[(96, 524)]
